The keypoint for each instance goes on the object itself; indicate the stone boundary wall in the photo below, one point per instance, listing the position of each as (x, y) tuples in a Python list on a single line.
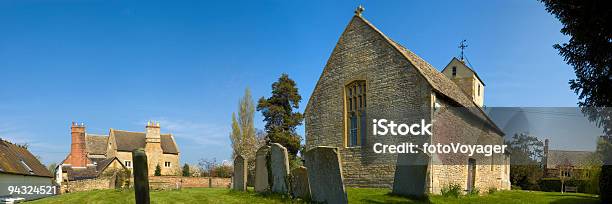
[(171, 182), (156, 183), (87, 185)]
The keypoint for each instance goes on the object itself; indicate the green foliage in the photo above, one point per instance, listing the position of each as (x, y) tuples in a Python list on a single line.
[(526, 149), (186, 171), (604, 152), (122, 180), (492, 190), (525, 162), (550, 184), (451, 190), (589, 51), (157, 171), (474, 192), (605, 183), (281, 120), (223, 171), (295, 162), (51, 167)]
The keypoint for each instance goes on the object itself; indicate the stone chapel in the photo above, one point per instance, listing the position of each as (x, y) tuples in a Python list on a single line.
[(369, 76)]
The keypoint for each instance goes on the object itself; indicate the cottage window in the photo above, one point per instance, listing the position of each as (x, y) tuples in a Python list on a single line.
[(128, 163), (356, 103), (167, 164)]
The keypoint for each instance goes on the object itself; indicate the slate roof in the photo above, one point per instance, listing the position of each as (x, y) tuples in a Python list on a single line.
[(95, 144), (440, 83), (88, 172), (562, 157), (15, 159), (129, 141)]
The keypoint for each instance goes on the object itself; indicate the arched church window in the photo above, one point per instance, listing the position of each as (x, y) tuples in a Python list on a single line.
[(356, 104)]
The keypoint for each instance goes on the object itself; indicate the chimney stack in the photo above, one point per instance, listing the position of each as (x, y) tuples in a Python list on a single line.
[(545, 156), (153, 132), (78, 155)]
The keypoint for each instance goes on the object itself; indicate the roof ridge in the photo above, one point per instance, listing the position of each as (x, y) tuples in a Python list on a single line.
[(570, 151), (401, 48), (95, 135), (126, 131)]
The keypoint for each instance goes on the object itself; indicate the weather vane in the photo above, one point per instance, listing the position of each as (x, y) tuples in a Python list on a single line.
[(462, 46)]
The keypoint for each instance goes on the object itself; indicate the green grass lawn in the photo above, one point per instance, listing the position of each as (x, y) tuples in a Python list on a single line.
[(355, 195)]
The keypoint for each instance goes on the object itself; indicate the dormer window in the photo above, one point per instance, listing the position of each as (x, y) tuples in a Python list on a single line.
[(454, 71), (356, 103)]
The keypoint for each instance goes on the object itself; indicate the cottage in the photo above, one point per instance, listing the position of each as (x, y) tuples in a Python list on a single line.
[(18, 167), (91, 154)]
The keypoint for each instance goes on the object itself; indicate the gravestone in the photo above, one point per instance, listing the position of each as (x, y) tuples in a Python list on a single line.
[(279, 166), (411, 175), (300, 188), (240, 174), (325, 175), (141, 176), (262, 172)]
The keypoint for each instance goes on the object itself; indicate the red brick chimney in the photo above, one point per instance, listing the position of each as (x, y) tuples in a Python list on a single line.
[(78, 155)]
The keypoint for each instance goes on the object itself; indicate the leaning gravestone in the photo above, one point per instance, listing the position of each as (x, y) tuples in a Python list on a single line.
[(279, 166), (411, 175), (240, 174), (300, 187), (325, 175), (261, 170)]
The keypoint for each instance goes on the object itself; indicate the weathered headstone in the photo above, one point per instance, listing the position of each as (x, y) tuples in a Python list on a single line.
[(325, 175), (411, 175), (300, 188), (141, 176), (262, 171), (240, 174), (279, 166)]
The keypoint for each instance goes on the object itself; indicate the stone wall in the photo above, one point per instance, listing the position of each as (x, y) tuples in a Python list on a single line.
[(87, 185), (156, 182), (171, 182), (456, 125)]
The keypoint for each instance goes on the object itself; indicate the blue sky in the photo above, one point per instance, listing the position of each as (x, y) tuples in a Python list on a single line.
[(117, 64)]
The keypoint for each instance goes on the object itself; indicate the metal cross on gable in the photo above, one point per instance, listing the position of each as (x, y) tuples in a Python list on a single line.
[(359, 10), (462, 46)]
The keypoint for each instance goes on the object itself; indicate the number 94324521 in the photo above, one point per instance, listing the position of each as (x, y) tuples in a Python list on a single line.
[(32, 190)]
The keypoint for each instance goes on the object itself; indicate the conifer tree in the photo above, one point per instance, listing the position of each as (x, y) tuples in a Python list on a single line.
[(278, 111)]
